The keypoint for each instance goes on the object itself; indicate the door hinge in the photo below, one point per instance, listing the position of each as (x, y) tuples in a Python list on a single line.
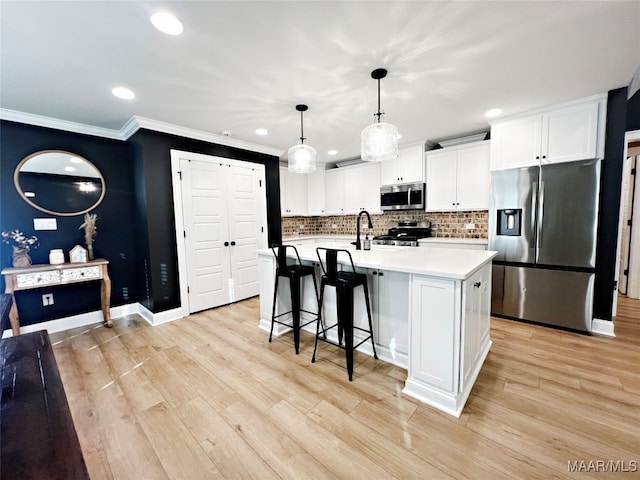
[(262, 229), (188, 289), (180, 174), (260, 183), (184, 233), (626, 271), (633, 171), (629, 222)]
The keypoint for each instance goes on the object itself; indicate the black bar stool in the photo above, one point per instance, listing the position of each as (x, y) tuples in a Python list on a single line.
[(344, 282), (294, 272)]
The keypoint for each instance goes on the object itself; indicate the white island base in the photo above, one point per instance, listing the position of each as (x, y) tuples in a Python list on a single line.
[(430, 310)]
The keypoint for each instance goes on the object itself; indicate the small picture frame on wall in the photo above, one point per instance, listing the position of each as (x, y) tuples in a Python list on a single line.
[(78, 254)]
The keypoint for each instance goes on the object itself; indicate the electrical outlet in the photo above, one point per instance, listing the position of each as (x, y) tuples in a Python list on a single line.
[(469, 226), (47, 299)]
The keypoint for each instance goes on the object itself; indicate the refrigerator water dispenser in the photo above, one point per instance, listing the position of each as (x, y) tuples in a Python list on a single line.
[(509, 222)]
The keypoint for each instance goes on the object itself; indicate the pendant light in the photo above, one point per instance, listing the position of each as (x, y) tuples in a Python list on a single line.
[(302, 158), (380, 139)]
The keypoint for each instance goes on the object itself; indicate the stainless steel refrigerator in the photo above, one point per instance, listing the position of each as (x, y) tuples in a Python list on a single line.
[(543, 223)]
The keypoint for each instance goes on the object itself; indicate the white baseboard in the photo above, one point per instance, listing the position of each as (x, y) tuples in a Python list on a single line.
[(95, 317), (602, 327)]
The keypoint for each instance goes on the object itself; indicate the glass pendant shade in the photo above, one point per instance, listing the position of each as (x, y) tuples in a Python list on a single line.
[(379, 142), (302, 159)]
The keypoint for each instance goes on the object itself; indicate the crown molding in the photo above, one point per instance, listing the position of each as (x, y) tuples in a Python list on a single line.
[(49, 122), (131, 127), (164, 127)]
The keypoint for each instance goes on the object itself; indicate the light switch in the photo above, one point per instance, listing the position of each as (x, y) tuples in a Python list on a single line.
[(45, 224)]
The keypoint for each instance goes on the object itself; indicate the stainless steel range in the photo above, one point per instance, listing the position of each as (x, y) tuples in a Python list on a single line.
[(404, 234)]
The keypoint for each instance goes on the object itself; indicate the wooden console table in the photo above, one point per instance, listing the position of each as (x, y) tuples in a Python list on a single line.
[(39, 276)]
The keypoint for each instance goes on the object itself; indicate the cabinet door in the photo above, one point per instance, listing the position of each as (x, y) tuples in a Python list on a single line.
[(353, 190), (371, 194), (475, 322), (412, 164), (473, 178), (407, 168), (296, 193), (441, 180), (334, 189), (293, 193), (433, 335), (570, 133), (284, 174), (516, 143), (316, 192), (391, 325)]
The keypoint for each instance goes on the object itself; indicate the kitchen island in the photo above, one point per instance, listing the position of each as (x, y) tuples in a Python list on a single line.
[(430, 310)]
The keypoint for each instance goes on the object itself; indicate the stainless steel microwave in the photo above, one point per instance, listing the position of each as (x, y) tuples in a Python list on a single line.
[(404, 196)]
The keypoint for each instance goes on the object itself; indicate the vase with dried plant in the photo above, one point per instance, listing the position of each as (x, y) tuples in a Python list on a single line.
[(21, 247), (90, 228)]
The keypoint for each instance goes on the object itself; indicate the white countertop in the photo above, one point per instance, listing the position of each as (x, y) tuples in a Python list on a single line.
[(436, 262)]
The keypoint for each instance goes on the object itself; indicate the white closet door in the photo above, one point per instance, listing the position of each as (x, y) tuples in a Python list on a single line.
[(206, 230), (244, 225)]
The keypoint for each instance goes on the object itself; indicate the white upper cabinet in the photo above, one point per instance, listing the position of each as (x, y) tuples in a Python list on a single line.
[(316, 192), (458, 178), (293, 193), (573, 131), (407, 168), (349, 190), (334, 188)]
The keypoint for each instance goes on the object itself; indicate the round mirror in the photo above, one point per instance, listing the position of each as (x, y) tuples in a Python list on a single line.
[(59, 183)]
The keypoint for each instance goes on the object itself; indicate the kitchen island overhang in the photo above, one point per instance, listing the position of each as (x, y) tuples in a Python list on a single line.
[(431, 310)]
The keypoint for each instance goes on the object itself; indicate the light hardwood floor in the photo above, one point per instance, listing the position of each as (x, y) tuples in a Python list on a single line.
[(208, 397)]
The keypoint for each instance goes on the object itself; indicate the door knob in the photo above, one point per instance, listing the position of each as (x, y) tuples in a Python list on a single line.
[(477, 284), (226, 244), (233, 244)]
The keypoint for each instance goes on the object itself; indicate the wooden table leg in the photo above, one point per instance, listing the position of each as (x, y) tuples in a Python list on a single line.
[(105, 298), (13, 317)]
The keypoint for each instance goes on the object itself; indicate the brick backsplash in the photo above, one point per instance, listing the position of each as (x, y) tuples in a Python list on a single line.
[(443, 224)]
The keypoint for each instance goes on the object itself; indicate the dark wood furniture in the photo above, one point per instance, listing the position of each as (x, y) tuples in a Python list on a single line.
[(37, 437)]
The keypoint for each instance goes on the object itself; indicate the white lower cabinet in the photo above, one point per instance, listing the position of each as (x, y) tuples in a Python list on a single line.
[(448, 338), (389, 297)]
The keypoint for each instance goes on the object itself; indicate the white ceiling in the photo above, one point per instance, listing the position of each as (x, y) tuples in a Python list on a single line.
[(242, 65)]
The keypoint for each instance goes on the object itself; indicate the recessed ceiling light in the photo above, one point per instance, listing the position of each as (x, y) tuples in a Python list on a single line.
[(69, 169), (167, 23), (494, 112), (332, 152), (123, 92), (75, 160), (226, 133), (261, 131)]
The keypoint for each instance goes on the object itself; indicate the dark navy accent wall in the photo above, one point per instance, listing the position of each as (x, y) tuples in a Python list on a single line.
[(115, 225), (610, 203), (633, 112), (136, 224), (153, 165)]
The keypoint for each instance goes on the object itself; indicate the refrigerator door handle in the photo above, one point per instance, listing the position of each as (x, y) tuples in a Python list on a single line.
[(540, 220), (534, 214)]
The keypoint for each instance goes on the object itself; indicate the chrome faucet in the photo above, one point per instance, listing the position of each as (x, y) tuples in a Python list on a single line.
[(357, 242)]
